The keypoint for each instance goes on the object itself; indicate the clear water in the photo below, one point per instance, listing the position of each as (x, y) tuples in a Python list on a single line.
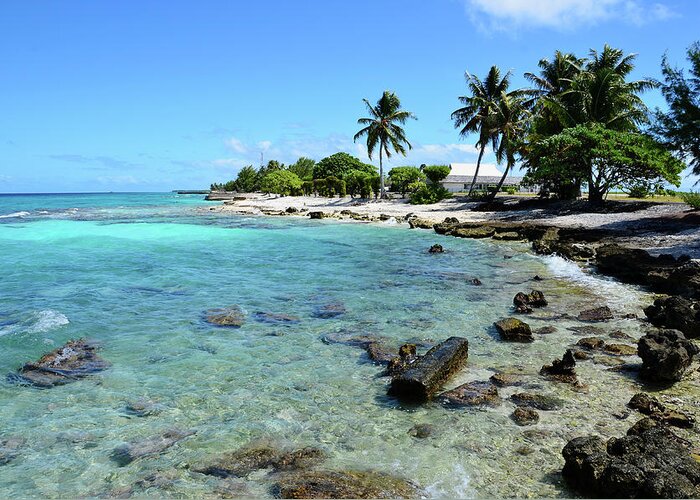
[(135, 272)]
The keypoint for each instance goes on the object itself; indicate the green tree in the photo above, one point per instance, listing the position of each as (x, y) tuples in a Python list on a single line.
[(382, 128), (680, 125), (247, 180), (436, 173), (281, 182), (402, 177), (479, 111), (339, 165), (303, 167), (605, 158)]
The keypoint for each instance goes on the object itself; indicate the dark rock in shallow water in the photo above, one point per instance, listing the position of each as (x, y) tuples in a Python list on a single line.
[(421, 431), (10, 448), (677, 313), (649, 405), (650, 462), (525, 416), (380, 352), (143, 407), (275, 318), (472, 394), (330, 310), (75, 360), (528, 300), (620, 349), (475, 281), (666, 354), (537, 401), (620, 335), (351, 339), (242, 462), (424, 377), (546, 330), (344, 484), (591, 343), (231, 316), (436, 249), (152, 446), (407, 355), (596, 314), (501, 379), (514, 330), (587, 330), (317, 215), (562, 370)]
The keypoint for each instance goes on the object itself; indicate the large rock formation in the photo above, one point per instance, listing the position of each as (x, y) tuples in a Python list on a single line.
[(677, 313), (75, 360), (666, 354), (514, 330), (242, 462), (344, 484)]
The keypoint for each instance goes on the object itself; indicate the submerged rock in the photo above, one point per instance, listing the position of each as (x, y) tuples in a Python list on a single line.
[(127, 453), (232, 316), (677, 313), (143, 407), (421, 431), (537, 401), (472, 394), (275, 318), (620, 349), (596, 314), (562, 370), (650, 462), (10, 448), (525, 416), (351, 339), (242, 462), (436, 249), (524, 302), (501, 379), (75, 360), (652, 407), (546, 330), (330, 310), (666, 354), (591, 343), (514, 330), (344, 484)]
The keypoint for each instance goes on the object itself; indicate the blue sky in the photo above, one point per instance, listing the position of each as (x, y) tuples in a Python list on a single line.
[(153, 96)]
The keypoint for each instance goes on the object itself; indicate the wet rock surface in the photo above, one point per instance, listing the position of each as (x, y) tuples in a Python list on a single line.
[(471, 394), (546, 330), (436, 249), (232, 316), (329, 310), (242, 462), (10, 448), (275, 318), (676, 313), (143, 407), (421, 431), (525, 302), (127, 453), (666, 355), (562, 370), (75, 360), (650, 462), (344, 484), (596, 314), (537, 401), (525, 416), (407, 355), (514, 330), (652, 407), (501, 379)]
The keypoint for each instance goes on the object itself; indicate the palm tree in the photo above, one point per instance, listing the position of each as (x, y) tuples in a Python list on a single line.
[(479, 111), (382, 128), (512, 120)]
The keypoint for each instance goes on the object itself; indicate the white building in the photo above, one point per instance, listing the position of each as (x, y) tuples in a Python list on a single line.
[(461, 175)]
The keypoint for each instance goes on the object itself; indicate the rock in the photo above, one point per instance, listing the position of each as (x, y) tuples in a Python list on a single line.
[(514, 330), (620, 335), (472, 394), (562, 370), (127, 453), (528, 300), (407, 355), (317, 215), (652, 407), (537, 277), (292, 210), (537, 401), (525, 416), (677, 313), (422, 378), (650, 462), (451, 220), (596, 314), (620, 349), (242, 462), (275, 318), (475, 281), (344, 484), (587, 330), (351, 339), (501, 379), (666, 354), (507, 236), (330, 310), (436, 249), (421, 431), (380, 352), (158, 480), (591, 343), (546, 330), (231, 316), (143, 407), (581, 355), (73, 361), (418, 223), (10, 448), (645, 404), (474, 232)]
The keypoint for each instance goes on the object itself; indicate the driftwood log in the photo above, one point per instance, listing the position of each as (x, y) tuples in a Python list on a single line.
[(424, 377)]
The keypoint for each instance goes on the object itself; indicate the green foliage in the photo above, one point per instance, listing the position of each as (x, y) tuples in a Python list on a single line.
[(230, 186), (303, 168), (281, 182), (382, 128), (402, 177), (247, 180), (692, 199), (307, 187), (425, 194), (680, 125), (639, 191), (216, 187), (362, 184), (511, 190), (436, 173), (339, 165), (603, 158)]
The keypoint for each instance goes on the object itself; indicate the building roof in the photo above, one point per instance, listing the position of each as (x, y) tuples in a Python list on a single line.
[(486, 169), (482, 179)]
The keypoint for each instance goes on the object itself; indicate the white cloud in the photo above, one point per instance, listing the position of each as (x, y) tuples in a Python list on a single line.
[(502, 15), (236, 145), (264, 145), (118, 180)]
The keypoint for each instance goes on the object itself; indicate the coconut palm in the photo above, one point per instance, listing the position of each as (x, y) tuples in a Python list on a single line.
[(479, 111), (382, 129)]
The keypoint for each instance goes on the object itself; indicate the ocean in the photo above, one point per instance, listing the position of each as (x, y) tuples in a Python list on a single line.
[(136, 273)]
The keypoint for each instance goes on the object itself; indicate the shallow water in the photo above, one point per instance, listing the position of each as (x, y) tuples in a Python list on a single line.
[(137, 272)]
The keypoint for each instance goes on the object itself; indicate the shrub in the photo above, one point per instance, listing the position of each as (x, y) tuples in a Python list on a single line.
[(307, 187), (482, 195), (402, 177), (511, 190), (425, 194), (692, 199), (340, 165), (281, 182), (639, 191), (436, 173)]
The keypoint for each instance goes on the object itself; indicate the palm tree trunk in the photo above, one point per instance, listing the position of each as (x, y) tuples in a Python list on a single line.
[(500, 184), (476, 172), (382, 194)]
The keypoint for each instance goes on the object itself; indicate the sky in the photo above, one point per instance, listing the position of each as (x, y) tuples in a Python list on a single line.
[(154, 96)]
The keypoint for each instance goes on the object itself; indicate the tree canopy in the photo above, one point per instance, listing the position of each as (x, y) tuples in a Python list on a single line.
[(340, 165), (281, 182)]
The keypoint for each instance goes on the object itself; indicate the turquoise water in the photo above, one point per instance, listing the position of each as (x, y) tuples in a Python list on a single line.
[(136, 272)]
